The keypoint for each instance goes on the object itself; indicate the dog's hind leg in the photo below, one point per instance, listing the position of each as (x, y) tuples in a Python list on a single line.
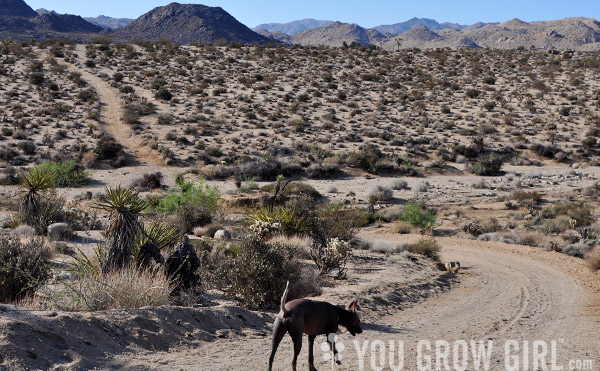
[(297, 339), (278, 334), (311, 358)]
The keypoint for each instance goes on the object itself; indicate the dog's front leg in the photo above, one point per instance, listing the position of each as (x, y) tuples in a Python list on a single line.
[(311, 358), (335, 352)]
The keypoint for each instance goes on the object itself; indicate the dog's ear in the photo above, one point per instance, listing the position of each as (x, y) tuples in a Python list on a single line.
[(352, 306)]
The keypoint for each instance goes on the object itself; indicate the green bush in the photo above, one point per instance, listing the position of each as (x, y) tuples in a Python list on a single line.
[(259, 272), (416, 213), (66, 173), (195, 204), (289, 217), (489, 164), (428, 247), (578, 211), (294, 189), (22, 267), (365, 159), (107, 148)]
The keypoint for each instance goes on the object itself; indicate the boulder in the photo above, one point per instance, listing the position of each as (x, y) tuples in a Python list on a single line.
[(222, 234), (60, 231)]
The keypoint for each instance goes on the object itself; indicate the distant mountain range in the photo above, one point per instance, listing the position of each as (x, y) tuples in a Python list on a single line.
[(108, 22), (20, 21), (198, 23), (292, 28), (568, 33)]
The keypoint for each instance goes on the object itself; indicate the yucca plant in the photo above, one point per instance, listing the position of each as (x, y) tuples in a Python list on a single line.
[(291, 221), (161, 235), (153, 240), (35, 181), (124, 228)]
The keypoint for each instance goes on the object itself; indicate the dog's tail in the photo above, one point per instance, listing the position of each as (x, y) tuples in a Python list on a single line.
[(284, 297)]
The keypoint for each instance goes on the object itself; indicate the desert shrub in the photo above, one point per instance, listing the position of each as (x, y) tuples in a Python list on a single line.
[(529, 198), (27, 146), (86, 96), (195, 204), (398, 184), (489, 164), (164, 94), (148, 181), (130, 117), (472, 93), (380, 193), (265, 169), (294, 189), (82, 220), (259, 272), (67, 173), (593, 258), (333, 226), (322, 170), (578, 250), (23, 267), (127, 288), (248, 185), (36, 78), (428, 247), (208, 230), (365, 159), (580, 212), (416, 213), (421, 187), (107, 148), (472, 228), (402, 227), (288, 217), (118, 76)]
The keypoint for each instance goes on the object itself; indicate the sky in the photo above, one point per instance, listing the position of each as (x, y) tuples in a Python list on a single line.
[(367, 13)]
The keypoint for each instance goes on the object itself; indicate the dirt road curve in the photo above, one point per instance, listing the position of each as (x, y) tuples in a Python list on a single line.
[(112, 116), (506, 293)]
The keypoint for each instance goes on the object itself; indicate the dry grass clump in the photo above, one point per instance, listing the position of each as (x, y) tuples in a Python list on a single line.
[(380, 193), (593, 258), (300, 244), (428, 247), (127, 288)]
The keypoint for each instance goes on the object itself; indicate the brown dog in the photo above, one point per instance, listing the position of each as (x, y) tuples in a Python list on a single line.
[(311, 318)]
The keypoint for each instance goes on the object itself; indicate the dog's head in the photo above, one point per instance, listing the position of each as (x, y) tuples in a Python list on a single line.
[(353, 322)]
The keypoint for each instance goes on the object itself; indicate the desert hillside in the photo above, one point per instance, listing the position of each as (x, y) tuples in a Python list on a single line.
[(157, 198)]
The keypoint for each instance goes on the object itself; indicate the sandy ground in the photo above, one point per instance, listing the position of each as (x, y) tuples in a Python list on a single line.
[(506, 292)]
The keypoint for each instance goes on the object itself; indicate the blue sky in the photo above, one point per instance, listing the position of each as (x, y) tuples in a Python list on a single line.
[(366, 13)]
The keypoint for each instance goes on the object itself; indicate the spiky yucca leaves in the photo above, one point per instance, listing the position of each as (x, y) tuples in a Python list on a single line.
[(124, 205), (161, 237), (35, 181)]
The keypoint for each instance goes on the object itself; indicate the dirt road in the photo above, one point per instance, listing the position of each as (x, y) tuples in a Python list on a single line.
[(506, 293), (112, 116)]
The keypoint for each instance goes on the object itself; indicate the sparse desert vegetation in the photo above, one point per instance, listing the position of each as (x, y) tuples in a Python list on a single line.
[(151, 174)]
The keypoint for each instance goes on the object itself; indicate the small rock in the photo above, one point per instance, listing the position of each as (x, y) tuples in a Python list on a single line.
[(222, 234)]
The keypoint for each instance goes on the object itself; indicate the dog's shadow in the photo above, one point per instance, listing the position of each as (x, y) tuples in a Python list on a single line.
[(383, 328)]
